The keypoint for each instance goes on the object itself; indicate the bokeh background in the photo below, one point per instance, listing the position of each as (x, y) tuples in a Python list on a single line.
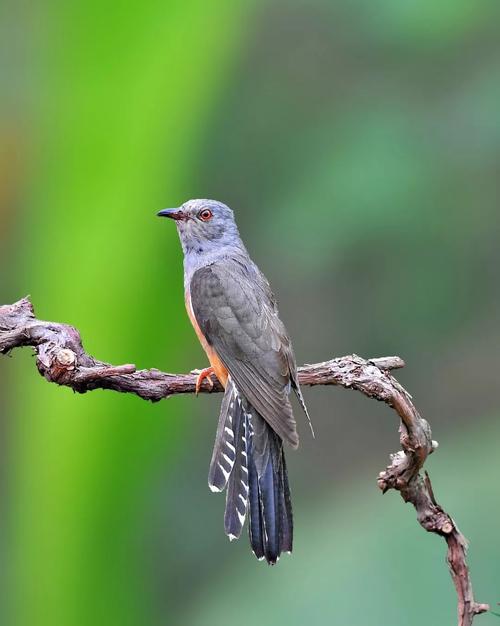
[(359, 145)]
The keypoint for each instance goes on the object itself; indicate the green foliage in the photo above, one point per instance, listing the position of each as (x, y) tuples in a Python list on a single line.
[(125, 92)]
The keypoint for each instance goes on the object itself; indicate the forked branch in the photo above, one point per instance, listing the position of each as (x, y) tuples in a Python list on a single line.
[(62, 359)]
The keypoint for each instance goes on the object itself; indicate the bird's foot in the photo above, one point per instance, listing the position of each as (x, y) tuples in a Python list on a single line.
[(202, 374)]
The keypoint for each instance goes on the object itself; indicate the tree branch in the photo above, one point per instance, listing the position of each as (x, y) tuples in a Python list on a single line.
[(62, 359)]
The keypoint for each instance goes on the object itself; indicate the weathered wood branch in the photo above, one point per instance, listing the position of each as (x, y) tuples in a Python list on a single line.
[(62, 359)]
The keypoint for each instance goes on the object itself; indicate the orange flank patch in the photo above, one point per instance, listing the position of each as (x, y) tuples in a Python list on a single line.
[(219, 369)]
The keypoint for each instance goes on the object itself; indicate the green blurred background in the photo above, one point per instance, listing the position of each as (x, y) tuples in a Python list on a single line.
[(359, 144)]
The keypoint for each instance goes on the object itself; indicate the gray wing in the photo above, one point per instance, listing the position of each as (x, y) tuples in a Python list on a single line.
[(236, 312)]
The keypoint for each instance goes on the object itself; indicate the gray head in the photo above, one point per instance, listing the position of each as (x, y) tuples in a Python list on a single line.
[(204, 226)]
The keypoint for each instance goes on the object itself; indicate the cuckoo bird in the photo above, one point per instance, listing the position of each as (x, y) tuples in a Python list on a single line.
[(235, 316)]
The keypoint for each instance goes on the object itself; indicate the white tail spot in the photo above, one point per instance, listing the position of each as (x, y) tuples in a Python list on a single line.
[(226, 474)]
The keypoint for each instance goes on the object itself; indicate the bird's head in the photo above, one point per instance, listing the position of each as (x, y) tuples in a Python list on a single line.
[(204, 224)]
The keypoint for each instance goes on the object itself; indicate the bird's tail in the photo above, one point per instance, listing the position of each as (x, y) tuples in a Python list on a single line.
[(248, 458), (270, 506)]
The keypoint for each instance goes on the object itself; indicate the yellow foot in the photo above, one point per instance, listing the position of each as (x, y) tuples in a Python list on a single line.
[(204, 373)]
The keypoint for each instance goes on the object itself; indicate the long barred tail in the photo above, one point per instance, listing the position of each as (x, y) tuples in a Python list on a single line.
[(270, 507), (248, 458)]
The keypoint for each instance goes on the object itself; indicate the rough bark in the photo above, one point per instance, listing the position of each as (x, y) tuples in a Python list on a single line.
[(62, 359)]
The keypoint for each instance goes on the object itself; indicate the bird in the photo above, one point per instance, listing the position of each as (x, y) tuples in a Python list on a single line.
[(235, 316)]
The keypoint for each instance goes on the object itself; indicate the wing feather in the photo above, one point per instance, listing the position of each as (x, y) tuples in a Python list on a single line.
[(237, 314)]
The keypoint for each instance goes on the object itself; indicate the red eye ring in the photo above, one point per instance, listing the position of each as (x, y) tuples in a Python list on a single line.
[(205, 215)]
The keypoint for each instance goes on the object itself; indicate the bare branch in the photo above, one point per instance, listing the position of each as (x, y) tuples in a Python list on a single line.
[(62, 359)]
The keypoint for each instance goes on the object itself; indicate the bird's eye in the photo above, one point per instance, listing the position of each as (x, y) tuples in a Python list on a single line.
[(205, 215)]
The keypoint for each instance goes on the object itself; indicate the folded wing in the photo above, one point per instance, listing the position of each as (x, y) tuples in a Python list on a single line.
[(237, 314)]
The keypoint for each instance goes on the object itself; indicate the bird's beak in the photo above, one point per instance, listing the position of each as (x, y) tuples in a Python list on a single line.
[(173, 214)]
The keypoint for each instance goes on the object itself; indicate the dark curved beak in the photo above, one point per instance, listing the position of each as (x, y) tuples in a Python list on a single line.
[(173, 214)]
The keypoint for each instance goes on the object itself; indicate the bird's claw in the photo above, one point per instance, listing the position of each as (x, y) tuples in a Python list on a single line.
[(202, 374)]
